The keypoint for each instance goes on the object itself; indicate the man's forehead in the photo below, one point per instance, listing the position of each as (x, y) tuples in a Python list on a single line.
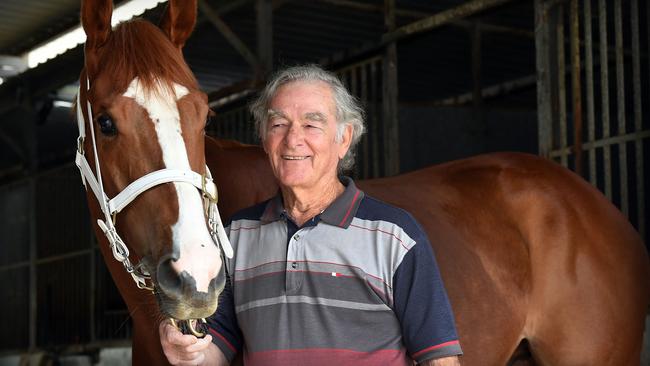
[(307, 96)]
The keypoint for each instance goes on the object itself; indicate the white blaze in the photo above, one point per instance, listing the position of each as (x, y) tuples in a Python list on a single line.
[(198, 254)]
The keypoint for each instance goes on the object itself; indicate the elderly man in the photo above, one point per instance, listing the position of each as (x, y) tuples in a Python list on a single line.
[(322, 274)]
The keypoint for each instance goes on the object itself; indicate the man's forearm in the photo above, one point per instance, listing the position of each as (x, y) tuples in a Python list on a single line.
[(446, 361)]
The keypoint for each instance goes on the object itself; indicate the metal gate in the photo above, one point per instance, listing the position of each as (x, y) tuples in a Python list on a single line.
[(56, 289), (593, 76)]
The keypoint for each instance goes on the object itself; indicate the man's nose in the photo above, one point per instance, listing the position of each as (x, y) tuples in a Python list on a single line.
[(294, 136)]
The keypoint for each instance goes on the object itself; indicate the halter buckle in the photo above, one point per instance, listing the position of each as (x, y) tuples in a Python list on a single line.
[(80, 145), (206, 192)]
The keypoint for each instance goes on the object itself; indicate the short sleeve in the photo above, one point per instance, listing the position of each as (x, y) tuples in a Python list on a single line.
[(422, 305), (223, 324)]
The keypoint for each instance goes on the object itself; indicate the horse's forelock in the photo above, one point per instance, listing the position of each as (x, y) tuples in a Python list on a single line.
[(139, 49)]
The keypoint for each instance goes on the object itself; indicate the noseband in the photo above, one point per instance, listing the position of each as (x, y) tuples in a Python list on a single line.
[(111, 207)]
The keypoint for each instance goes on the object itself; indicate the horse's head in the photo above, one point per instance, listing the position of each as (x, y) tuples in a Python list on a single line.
[(148, 115)]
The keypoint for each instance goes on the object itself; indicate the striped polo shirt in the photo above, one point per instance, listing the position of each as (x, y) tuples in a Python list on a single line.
[(356, 285)]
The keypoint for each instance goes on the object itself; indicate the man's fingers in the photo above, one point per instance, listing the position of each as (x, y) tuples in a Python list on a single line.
[(200, 344), (176, 338)]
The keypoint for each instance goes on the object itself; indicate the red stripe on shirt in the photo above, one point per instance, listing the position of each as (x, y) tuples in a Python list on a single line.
[(327, 357), (216, 334), (385, 232), (356, 194), (438, 346)]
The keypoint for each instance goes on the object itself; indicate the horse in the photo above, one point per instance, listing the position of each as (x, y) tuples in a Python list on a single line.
[(540, 268)]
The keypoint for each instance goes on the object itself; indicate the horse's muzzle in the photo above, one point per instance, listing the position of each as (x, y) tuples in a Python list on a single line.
[(178, 297)]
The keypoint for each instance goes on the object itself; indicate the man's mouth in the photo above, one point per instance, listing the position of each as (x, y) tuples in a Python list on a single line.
[(294, 157)]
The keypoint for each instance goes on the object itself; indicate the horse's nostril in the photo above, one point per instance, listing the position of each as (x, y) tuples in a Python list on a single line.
[(168, 278)]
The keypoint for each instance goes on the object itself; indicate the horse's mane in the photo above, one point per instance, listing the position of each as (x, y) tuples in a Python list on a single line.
[(139, 49)]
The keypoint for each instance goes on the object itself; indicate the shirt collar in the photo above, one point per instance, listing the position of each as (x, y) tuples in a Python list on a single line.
[(339, 213)]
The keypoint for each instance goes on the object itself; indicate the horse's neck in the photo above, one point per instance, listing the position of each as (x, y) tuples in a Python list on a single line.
[(242, 174)]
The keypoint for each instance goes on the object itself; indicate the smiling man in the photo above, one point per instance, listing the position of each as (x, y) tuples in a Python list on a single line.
[(322, 274)]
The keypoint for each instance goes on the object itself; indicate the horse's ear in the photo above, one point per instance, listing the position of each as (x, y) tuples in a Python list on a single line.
[(178, 21), (96, 22)]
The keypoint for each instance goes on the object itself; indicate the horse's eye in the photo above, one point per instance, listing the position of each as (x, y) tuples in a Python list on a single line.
[(106, 125)]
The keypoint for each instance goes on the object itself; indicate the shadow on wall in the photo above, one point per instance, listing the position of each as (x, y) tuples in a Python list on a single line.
[(436, 135)]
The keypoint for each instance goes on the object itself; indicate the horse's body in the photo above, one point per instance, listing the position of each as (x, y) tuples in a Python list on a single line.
[(533, 257)]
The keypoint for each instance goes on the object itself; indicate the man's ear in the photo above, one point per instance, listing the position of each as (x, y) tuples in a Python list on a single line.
[(346, 140), (96, 22), (178, 21)]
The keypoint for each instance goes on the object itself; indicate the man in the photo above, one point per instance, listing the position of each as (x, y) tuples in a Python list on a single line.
[(322, 274)]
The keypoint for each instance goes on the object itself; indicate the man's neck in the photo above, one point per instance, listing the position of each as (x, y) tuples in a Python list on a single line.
[(303, 204)]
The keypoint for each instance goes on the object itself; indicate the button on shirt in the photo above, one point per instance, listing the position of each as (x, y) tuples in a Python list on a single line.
[(335, 290)]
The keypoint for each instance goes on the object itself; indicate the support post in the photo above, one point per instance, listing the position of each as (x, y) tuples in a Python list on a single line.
[(576, 87), (544, 113), (390, 96), (264, 11)]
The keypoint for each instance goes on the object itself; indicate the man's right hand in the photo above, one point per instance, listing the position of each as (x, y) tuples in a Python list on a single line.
[(185, 349)]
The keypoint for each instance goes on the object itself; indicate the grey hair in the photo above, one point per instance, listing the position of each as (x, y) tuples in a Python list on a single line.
[(348, 109)]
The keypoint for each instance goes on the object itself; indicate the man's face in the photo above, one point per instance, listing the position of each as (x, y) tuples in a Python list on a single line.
[(301, 135)]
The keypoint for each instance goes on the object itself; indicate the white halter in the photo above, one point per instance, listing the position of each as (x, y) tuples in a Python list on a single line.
[(110, 207)]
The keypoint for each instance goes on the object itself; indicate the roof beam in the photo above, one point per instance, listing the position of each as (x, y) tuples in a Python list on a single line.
[(406, 13), (230, 36), (442, 18)]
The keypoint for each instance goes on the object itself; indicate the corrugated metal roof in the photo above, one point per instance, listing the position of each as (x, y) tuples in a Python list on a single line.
[(26, 23)]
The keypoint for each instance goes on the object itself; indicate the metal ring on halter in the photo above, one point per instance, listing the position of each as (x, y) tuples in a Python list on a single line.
[(189, 326), (206, 193)]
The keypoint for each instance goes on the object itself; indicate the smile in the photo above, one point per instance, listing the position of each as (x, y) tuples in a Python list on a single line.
[(291, 157)]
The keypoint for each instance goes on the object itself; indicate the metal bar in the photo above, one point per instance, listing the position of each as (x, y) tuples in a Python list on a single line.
[(32, 161), (49, 259), (476, 67), (354, 88), (377, 8), (576, 94), (543, 66), (445, 17), (264, 12), (230, 36), (620, 98), (33, 284), (390, 100), (604, 95), (638, 116), (589, 79), (491, 91), (92, 280), (374, 120), (613, 140), (561, 75), (364, 100)]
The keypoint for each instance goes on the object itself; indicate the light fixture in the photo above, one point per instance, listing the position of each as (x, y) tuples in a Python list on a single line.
[(62, 104), (76, 36)]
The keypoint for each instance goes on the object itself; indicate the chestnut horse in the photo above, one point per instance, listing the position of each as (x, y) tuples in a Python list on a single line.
[(539, 266)]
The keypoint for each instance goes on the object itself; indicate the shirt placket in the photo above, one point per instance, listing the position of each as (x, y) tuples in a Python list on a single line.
[(295, 266)]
